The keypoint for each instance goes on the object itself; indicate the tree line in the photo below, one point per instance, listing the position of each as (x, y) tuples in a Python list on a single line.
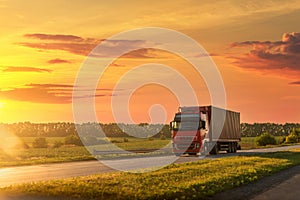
[(63, 129), (256, 129)]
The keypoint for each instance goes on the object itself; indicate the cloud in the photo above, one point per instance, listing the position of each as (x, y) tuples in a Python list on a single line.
[(58, 61), (70, 43), (39, 93), (205, 55), (271, 55), (83, 46), (295, 83), (49, 93), (41, 36), (50, 85), (74, 48), (142, 53), (25, 69), (116, 65)]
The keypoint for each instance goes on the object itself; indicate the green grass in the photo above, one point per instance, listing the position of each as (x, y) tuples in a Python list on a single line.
[(249, 143), (140, 143), (51, 140), (196, 180), (31, 156), (34, 156)]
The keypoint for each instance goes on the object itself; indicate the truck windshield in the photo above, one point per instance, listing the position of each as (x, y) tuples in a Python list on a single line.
[(185, 125), (187, 122)]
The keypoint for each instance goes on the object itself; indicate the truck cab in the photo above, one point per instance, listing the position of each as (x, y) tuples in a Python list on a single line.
[(189, 128)]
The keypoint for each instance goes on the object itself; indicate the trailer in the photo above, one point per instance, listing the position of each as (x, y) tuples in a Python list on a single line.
[(205, 129)]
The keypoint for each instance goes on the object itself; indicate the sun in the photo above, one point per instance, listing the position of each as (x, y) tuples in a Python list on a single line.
[(1, 104)]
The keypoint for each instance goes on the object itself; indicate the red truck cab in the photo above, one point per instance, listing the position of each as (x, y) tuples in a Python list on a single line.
[(188, 130)]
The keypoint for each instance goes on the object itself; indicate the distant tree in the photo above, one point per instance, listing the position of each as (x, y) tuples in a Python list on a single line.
[(40, 142)]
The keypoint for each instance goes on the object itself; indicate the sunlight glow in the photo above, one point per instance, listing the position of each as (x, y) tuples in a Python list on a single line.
[(9, 142)]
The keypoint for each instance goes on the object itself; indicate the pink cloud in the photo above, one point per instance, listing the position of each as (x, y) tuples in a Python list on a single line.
[(58, 61), (25, 69), (268, 55), (48, 93)]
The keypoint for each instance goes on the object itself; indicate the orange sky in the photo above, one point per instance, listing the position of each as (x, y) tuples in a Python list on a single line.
[(255, 45)]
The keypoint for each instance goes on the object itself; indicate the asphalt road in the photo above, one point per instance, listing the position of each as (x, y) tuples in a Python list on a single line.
[(287, 189), (16, 175)]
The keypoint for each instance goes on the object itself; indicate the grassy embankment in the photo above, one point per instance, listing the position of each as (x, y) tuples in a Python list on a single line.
[(65, 153), (196, 180), (33, 156)]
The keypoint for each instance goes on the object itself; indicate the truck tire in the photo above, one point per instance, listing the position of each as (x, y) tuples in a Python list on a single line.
[(214, 150), (234, 147), (229, 150)]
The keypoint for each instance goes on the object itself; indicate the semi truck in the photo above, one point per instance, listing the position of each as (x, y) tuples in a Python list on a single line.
[(205, 130)]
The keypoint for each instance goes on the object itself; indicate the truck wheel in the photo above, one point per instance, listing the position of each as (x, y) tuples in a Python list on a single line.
[(234, 147), (214, 150), (229, 150)]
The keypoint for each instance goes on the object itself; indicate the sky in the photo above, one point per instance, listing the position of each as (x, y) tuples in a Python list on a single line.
[(44, 44)]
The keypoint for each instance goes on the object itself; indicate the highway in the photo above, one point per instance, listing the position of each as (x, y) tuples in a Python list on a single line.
[(23, 174)]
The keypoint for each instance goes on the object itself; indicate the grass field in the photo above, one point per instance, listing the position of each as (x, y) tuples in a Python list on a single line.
[(196, 180), (32, 156), (249, 143)]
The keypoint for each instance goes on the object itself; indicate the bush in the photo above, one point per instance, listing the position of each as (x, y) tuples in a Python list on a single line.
[(116, 141), (291, 138), (265, 139), (162, 137), (22, 145), (73, 139), (40, 143), (281, 140), (91, 140), (57, 144), (25, 145), (125, 140), (150, 138)]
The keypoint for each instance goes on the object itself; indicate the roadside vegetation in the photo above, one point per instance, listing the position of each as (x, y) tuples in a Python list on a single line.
[(200, 179), (32, 150), (31, 143), (268, 139)]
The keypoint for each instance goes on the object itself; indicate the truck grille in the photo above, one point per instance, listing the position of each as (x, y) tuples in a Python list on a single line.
[(185, 138)]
